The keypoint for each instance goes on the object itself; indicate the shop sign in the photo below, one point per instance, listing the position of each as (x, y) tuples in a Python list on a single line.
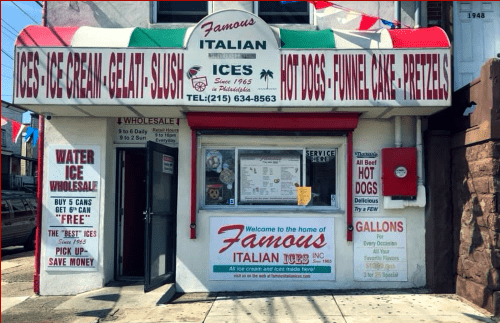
[(366, 182), (133, 130), (72, 215), (269, 178), (380, 249), (232, 59), (272, 248), (168, 164)]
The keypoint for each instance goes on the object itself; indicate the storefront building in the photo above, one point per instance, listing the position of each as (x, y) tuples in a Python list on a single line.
[(232, 155)]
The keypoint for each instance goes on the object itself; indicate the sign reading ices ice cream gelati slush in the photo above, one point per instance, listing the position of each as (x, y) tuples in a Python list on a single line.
[(269, 248), (232, 58), (380, 249)]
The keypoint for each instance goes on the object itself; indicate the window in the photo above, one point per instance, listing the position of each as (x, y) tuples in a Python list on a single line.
[(268, 175), (181, 11), (276, 12)]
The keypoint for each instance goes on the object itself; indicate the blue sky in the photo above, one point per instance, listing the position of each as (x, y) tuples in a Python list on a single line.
[(13, 21)]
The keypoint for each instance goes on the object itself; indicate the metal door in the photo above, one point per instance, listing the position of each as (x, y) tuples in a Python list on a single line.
[(160, 215)]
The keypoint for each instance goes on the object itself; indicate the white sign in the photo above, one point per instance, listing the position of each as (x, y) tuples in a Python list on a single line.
[(270, 248), (232, 59), (380, 249), (366, 182), (168, 164), (132, 130), (72, 217), (269, 178)]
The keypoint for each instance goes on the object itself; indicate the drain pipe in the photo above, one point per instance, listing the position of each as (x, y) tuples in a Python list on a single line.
[(418, 6), (397, 13)]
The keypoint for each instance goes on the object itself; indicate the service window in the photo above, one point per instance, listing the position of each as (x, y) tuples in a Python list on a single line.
[(181, 11), (281, 12), (247, 177)]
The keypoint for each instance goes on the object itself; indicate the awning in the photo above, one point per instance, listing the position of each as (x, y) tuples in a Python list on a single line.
[(92, 37)]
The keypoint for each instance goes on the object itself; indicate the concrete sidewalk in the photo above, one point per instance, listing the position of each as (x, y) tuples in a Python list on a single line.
[(129, 304)]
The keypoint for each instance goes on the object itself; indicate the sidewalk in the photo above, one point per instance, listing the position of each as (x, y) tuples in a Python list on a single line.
[(129, 304)]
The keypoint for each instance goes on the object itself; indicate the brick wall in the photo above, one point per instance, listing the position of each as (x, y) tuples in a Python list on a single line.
[(475, 191)]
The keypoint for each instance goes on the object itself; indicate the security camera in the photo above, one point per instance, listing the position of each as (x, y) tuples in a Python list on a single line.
[(48, 116)]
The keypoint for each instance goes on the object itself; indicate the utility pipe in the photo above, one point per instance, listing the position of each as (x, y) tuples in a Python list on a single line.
[(398, 143), (350, 156), (420, 158), (192, 225)]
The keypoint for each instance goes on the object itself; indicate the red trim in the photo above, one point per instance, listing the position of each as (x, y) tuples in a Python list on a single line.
[(39, 197), (419, 38), (192, 225), (273, 121), (349, 186), (46, 36)]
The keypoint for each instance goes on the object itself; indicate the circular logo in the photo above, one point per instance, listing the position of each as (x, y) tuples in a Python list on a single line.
[(400, 172)]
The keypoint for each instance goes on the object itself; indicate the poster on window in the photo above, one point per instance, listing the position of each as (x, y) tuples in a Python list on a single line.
[(72, 216), (269, 178), (269, 248), (380, 249), (366, 182)]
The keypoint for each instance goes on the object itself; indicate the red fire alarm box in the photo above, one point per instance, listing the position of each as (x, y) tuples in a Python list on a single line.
[(399, 171)]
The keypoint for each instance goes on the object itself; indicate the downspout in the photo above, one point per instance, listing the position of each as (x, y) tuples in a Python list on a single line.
[(39, 197), (397, 13), (39, 190)]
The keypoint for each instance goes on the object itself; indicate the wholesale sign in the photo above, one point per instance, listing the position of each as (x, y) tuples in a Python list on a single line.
[(269, 248), (133, 130), (72, 218), (232, 58), (380, 249)]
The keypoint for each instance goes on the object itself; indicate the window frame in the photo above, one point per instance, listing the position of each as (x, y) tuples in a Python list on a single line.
[(312, 16), (154, 14), (244, 142)]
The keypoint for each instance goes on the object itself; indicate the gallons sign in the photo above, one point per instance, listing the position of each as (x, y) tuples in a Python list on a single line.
[(380, 249), (367, 182), (71, 229), (265, 248), (232, 58)]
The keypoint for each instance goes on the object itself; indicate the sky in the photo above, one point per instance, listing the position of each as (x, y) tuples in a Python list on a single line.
[(13, 21)]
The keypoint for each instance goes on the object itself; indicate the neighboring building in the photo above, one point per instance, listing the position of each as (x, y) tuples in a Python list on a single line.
[(216, 133), (12, 156)]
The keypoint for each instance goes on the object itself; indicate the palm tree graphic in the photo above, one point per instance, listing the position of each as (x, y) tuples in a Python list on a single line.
[(266, 74)]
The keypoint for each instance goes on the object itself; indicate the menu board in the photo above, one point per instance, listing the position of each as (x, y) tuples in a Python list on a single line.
[(269, 178)]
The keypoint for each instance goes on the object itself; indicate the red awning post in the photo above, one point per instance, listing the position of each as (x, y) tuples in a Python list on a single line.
[(192, 225), (39, 197), (349, 186)]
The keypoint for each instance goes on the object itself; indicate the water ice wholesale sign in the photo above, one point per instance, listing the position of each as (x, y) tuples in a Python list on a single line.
[(265, 248), (71, 229)]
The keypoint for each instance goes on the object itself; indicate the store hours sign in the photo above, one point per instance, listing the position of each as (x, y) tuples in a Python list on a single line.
[(269, 248), (71, 229)]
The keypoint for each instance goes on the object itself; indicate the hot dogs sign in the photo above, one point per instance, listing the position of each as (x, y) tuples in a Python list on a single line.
[(232, 58)]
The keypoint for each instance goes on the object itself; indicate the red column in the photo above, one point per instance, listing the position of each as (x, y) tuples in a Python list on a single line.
[(39, 196)]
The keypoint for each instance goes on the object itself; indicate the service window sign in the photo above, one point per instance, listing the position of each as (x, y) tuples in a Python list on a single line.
[(134, 130), (366, 182), (269, 178), (380, 249), (72, 216), (269, 248)]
